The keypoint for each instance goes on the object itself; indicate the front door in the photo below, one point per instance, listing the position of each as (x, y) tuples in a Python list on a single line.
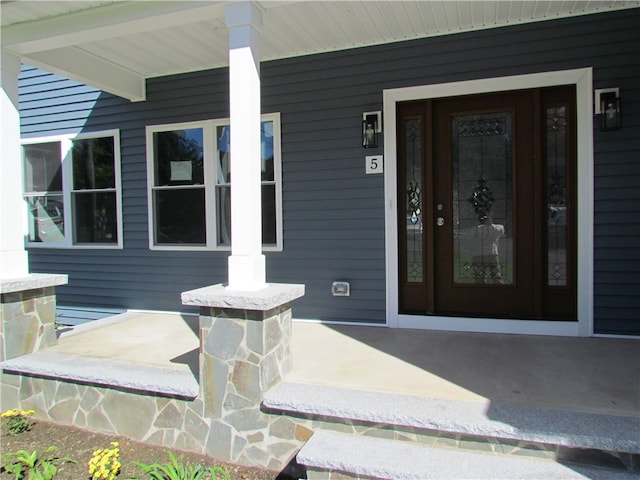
[(486, 205)]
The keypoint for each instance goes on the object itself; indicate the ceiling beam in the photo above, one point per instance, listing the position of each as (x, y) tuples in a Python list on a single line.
[(111, 21), (77, 64)]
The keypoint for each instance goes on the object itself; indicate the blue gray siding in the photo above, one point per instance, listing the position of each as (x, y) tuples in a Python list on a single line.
[(333, 213)]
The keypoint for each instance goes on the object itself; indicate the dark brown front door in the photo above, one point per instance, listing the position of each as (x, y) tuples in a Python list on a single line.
[(486, 205)]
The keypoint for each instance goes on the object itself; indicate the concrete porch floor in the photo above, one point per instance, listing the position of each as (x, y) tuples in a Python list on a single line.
[(596, 375)]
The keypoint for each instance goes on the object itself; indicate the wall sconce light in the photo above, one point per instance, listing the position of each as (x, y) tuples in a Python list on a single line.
[(371, 126), (608, 106)]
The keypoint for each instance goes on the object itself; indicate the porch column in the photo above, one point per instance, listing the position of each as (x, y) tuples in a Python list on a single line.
[(246, 263), (13, 256)]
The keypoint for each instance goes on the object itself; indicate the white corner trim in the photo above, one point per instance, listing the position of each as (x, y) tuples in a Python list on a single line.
[(582, 78)]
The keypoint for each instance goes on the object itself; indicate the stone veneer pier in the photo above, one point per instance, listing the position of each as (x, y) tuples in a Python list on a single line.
[(245, 349), (28, 313)]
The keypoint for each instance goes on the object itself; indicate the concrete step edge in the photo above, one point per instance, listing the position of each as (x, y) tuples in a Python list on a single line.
[(573, 429), (391, 459)]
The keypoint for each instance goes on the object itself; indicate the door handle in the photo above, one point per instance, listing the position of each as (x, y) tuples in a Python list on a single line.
[(440, 221)]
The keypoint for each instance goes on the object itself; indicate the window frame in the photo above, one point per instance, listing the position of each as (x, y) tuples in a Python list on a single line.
[(66, 158), (210, 153)]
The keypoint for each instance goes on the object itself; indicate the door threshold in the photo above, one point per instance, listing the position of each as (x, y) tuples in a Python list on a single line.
[(490, 325)]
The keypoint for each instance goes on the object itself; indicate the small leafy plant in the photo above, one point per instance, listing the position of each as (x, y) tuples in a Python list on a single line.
[(17, 421), (175, 470), (34, 467), (105, 463)]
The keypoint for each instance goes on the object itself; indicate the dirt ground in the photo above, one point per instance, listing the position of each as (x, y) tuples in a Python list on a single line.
[(80, 445)]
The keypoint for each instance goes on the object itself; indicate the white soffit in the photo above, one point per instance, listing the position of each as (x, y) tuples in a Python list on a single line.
[(315, 26), (116, 45)]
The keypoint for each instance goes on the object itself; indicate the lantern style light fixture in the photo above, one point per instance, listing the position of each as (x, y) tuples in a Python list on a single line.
[(371, 126), (608, 106)]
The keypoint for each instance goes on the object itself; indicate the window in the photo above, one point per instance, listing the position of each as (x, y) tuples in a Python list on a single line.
[(190, 185), (178, 187), (72, 189)]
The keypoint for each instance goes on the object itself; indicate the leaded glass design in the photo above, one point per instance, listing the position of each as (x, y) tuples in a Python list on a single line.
[(413, 187), (556, 154), (482, 199)]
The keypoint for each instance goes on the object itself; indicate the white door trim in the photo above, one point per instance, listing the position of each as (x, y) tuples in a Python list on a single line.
[(583, 79)]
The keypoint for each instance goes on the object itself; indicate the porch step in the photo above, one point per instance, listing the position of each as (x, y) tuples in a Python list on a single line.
[(429, 424), (359, 456), (106, 373)]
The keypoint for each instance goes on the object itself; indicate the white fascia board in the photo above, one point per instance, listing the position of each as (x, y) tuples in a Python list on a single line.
[(124, 18), (81, 66)]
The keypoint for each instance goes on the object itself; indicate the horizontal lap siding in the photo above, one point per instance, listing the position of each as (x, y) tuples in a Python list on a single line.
[(333, 214), (617, 189), (50, 104), (137, 277), (333, 217)]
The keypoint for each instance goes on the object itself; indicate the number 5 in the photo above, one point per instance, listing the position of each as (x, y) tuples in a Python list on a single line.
[(374, 164)]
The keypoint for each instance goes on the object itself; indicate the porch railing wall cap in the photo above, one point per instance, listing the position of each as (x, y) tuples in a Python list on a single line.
[(272, 296), (32, 282)]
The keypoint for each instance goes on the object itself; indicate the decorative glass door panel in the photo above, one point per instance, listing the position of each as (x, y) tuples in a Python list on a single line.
[(558, 195), (484, 196), (413, 228), (556, 155), (482, 157), (413, 187)]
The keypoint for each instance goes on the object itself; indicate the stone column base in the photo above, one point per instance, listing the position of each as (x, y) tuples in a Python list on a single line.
[(245, 339)]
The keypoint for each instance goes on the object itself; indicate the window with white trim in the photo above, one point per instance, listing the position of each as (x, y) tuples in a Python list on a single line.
[(189, 177), (72, 189)]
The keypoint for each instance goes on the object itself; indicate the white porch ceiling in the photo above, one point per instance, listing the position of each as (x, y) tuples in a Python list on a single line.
[(116, 45)]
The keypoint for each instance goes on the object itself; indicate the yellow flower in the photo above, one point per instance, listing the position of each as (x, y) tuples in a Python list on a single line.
[(16, 412), (105, 463)]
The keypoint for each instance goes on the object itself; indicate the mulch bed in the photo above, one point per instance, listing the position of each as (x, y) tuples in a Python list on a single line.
[(80, 444)]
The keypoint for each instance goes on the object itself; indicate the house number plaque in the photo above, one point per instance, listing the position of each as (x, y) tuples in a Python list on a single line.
[(374, 164)]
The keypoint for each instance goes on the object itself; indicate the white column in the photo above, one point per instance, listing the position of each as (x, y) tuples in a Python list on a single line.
[(246, 263), (14, 261)]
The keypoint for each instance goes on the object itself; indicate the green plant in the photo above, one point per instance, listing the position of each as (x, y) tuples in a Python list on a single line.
[(17, 421), (35, 467), (175, 470), (105, 463)]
